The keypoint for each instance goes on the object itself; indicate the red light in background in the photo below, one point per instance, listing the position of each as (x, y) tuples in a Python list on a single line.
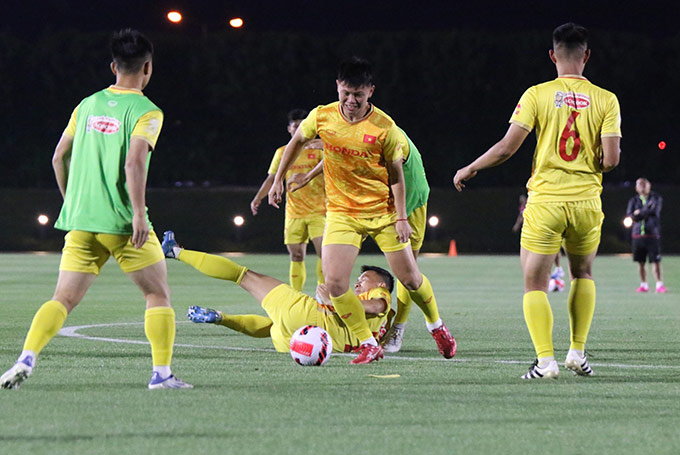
[(662, 145)]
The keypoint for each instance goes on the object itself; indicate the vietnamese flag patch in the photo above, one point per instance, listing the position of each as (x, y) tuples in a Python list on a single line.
[(369, 139)]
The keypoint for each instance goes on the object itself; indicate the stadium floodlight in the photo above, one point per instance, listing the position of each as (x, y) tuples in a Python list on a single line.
[(43, 219), (433, 221), (236, 22), (175, 17), (239, 220), (627, 222)]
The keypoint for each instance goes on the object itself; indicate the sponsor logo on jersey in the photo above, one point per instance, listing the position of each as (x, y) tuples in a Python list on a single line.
[(311, 156), (518, 108), (113, 103), (571, 99), (103, 124), (345, 151), (369, 139)]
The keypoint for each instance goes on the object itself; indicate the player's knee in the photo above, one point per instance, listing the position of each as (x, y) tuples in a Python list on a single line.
[(412, 281), (297, 256)]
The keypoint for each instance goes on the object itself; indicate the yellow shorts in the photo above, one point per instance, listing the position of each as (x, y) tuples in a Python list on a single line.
[(343, 229), (577, 223), (289, 310), (418, 222), (87, 252), (302, 230)]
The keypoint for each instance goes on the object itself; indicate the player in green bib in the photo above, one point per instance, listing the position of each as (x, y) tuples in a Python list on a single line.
[(417, 192), (101, 164)]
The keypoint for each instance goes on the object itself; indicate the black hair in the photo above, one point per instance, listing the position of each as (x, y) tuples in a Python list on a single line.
[(384, 274), (296, 114), (129, 50), (356, 72), (570, 37)]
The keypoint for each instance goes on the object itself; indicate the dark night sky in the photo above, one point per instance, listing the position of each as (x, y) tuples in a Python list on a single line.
[(652, 18)]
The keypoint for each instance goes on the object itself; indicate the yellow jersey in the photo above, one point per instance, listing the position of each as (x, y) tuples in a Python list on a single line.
[(570, 115), (309, 200), (343, 339), (355, 157)]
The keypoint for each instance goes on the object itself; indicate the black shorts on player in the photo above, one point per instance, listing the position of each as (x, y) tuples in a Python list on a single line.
[(647, 247)]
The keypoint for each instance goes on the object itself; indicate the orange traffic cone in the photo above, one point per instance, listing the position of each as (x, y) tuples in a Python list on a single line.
[(452, 248)]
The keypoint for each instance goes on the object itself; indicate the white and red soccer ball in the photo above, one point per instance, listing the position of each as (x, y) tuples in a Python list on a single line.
[(311, 346)]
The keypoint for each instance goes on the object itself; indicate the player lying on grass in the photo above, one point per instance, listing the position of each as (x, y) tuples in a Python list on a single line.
[(287, 308)]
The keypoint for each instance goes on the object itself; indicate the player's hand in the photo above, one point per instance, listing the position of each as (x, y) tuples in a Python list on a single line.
[(276, 193), (140, 230), (314, 144), (296, 181), (323, 294), (404, 230), (254, 205), (461, 176)]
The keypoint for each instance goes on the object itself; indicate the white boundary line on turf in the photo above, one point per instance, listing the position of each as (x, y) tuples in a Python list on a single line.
[(72, 332)]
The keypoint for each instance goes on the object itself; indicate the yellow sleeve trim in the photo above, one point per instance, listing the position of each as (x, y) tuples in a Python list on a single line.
[(610, 135), (522, 125), (148, 127)]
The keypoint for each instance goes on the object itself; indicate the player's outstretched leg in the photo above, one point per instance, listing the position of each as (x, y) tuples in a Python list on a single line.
[(200, 314), (13, 377)]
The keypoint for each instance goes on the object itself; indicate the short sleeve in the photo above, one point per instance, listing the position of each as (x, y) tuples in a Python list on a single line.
[(308, 125), (276, 161), (148, 127), (612, 119), (525, 111), (405, 149), (380, 293), (393, 145), (71, 127)]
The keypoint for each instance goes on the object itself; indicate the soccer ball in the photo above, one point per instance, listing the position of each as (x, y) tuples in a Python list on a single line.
[(311, 346), (555, 285)]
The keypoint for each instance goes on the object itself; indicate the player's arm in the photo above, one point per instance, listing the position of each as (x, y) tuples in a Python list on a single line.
[(61, 160), (290, 154), (261, 193), (299, 180), (374, 306), (497, 154), (135, 175), (518, 222), (396, 175), (611, 152)]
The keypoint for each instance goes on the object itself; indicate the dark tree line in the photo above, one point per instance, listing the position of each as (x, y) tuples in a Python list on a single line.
[(225, 97)]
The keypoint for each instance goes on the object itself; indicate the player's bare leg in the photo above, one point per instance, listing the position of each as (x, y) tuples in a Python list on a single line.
[(405, 268), (316, 241), (395, 336)]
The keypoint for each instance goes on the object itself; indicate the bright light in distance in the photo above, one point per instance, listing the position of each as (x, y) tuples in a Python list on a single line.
[(236, 22), (43, 219), (175, 17), (662, 145), (433, 221), (239, 220), (627, 222)]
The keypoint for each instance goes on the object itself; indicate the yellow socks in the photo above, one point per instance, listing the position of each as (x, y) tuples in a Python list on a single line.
[(539, 318), (159, 326), (424, 298), (47, 321), (350, 309), (403, 304), (581, 305), (297, 274), (319, 272), (213, 265), (250, 324)]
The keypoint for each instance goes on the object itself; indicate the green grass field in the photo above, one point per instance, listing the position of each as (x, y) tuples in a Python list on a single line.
[(89, 396)]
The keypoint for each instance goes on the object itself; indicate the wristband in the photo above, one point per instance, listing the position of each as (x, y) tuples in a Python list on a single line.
[(402, 219)]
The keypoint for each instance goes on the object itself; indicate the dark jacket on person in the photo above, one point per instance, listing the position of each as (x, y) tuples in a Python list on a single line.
[(647, 223)]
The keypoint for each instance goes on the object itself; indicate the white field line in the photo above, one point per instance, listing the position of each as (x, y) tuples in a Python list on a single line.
[(72, 332)]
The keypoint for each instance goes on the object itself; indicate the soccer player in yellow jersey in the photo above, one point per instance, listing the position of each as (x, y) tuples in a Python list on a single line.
[(578, 129), (365, 193), (305, 209), (101, 164), (287, 308)]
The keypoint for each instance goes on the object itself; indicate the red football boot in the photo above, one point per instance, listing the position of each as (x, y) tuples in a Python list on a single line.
[(368, 354), (445, 342)]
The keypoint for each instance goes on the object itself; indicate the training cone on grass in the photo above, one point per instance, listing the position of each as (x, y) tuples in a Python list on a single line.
[(452, 248)]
